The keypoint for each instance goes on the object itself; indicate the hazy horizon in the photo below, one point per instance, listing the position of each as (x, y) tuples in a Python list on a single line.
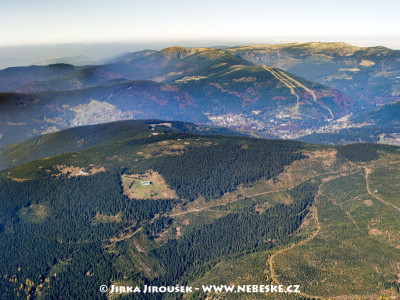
[(53, 22), (92, 53), (36, 31)]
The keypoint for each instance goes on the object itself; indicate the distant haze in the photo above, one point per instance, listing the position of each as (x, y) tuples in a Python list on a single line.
[(26, 22), (96, 53), (42, 30)]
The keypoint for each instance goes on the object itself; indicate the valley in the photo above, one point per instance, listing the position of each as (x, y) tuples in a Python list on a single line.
[(286, 91), (280, 126), (201, 85)]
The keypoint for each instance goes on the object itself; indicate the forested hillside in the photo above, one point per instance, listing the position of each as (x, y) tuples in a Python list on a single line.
[(84, 137), (159, 206), (57, 220)]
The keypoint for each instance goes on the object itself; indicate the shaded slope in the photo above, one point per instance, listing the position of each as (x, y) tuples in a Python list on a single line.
[(222, 89), (386, 115), (78, 138), (11, 79), (164, 65)]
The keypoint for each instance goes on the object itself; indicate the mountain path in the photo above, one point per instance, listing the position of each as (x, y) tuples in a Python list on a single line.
[(263, 193), (367, 173), (271, 258), (215, 205), (270, 261)]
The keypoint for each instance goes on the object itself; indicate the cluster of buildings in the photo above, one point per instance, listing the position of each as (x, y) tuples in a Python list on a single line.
[(281, 125)]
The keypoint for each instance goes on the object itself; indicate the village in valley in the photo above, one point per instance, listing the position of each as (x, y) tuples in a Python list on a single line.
[(279, 125)]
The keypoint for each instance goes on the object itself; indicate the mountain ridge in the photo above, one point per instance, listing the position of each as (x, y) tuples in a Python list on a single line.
[(310, 88), (85, 137), (216, 90)]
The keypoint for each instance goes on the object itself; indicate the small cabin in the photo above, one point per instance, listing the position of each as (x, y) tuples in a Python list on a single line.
[(146, 183), (84, 172)]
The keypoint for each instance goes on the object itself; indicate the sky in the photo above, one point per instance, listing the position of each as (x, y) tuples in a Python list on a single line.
[(364, 23)]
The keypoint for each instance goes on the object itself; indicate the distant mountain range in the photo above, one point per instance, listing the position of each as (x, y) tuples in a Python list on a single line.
[(285, 91), (370, 76)]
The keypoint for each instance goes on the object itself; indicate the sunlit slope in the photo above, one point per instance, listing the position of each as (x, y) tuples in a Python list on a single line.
[(84, 137)]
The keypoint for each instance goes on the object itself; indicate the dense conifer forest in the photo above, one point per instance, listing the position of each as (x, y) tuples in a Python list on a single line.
[(237, 233), (362, 152), (54, 227), (73, 222), (216, 169)]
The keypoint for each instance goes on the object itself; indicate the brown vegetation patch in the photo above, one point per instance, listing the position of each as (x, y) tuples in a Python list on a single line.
[(219, 65), (163, 148), (18, 179), (138, 247), (158, 189), (178, 232), (69, 170), (115, 157), (161, 124), (366, 63), (368, 202), (245, 79), (146, 155), (375, 232), (309, 223), (316, 163), (327, 157), (95, 170), (191, 78), (72, 171), (36, 213), (104, 219)]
